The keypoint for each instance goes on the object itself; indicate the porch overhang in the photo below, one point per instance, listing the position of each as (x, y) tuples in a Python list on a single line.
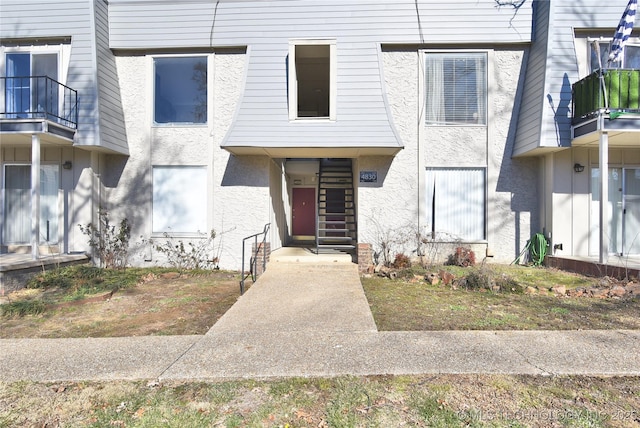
[(623, 130), (18, 132), (312, 152)]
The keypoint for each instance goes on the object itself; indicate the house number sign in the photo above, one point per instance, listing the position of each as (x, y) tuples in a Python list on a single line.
[(368, 176)]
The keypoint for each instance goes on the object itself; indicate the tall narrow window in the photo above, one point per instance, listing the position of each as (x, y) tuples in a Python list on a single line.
[(180, 90), (312, 79), (456, 203), (456, 88)]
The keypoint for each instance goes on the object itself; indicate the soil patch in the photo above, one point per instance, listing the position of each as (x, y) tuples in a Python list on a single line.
[(158, 305)]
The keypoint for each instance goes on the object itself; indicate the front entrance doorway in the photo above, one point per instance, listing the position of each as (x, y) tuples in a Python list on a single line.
[(623, 230), (303, 225)]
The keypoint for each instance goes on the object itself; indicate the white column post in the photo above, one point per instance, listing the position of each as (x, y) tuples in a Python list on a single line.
[(604, 196), (35, 195)]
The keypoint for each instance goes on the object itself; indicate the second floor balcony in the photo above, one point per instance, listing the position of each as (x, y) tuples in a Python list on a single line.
[(607, 100), (37, 104)]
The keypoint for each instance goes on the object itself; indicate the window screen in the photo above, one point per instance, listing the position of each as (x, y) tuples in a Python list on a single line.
[(455, 200), (179, 199), (455, 88)]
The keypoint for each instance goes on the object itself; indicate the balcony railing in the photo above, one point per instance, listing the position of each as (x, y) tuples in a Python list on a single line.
[(38, 97), (617, 90)]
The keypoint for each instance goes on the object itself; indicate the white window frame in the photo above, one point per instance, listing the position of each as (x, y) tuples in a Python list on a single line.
[(186, 190), (209, 97), (633, 42), (293, 78), (482, 121), (438, 233), (62, 50)]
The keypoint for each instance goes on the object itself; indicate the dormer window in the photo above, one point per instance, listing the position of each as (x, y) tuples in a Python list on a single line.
[(312, 79)]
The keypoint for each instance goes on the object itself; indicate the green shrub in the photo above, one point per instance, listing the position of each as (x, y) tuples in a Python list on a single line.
[(20, 308), (487, 279), (56, 278)]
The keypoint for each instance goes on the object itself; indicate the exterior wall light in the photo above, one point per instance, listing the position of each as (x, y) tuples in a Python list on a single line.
[(578, 168), (67, 165)]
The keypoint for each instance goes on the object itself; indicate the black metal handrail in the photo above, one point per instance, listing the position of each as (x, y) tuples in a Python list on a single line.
[(39, 97), (253, 260)]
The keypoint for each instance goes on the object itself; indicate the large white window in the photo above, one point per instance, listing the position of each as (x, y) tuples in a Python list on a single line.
[(180, 91), (456, 199), (179, 199), (312, 79), (455, 88), (630, 57)]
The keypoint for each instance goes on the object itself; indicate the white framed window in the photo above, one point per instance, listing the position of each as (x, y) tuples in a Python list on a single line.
[(179, 199), (180, 89), (34, 74), (630, 57), (455, 88), (312, 79), (456, 203)]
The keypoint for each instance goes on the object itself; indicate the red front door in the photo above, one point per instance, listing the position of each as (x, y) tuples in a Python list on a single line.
[(304, 211)]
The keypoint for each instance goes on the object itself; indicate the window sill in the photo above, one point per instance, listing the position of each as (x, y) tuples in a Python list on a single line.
[(179, 125), (456, 125), (178, 235), (324, 119)]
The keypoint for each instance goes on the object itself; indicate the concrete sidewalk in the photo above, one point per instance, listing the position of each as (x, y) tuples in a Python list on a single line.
[(312, 319)]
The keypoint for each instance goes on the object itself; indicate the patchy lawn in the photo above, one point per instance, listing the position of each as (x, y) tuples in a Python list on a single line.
[(134, 302), (409, 302), (384, 401), (142, 302)]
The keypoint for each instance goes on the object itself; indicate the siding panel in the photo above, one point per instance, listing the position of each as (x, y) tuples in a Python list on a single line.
[(266, 27), (68, 18), (545, 119)]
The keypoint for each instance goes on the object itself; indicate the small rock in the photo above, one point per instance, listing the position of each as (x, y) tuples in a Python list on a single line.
[(633, 289), (559, 290), (530, 290), (617, 291), (579, 292), (432, 278), (605, 281), (600, 293), (446, 277)]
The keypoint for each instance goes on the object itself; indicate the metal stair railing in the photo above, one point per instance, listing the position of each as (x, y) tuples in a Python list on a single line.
[(253, 260)]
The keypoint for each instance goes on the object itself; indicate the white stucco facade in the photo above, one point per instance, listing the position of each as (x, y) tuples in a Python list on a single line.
[(249, 152), (393, 210), (237, 188)]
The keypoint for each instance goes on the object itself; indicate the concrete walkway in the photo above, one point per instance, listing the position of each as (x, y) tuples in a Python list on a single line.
[(308, 316)]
